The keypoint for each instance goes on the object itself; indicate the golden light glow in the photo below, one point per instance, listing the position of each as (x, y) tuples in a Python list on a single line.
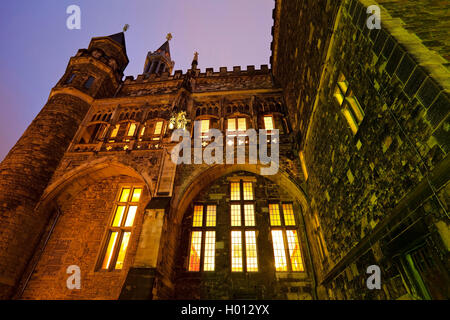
[(268, 122), (136, 195), (236, 251), (205, 126), (123, 250), (130, 216), (338, 96), (210, 247), (242, 124), (289, 219), (198, 216), (249, 215), (120, 210), (278, 250), (124, 195), (294, 250), (250, 250), (211, 216), (109, 250), (303, 163), (196, 246), (235, 191), (356, 107), (274, 213), (115, 131), (248, 191), (142, 131), (235, 215), (158, 128), (231, 124), (350, 120), (131, 129)]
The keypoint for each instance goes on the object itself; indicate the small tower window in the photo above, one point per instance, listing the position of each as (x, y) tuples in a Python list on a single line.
[(89, 82), (70, 79)]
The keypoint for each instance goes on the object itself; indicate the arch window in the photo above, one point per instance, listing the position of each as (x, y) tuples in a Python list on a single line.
[(120, 228), (203, 238), (244, 256), (286, 246)]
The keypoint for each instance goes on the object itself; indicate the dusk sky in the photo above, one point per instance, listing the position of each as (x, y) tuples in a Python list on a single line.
[(37, 45)]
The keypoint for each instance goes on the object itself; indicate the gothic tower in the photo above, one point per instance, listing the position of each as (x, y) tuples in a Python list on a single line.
[(159, 61), (26, 170)]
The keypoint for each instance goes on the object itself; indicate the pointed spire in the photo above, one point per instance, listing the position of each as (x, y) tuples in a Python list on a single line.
[(119, 38), (195, 61)]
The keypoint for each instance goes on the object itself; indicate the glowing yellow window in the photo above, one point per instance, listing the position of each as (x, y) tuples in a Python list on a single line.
[(231, 124), (109, 250), (274, 213), (196, 246), (211, 216), (136, 195), (115, 131), (204, 126), (250, 250), (235, 215), (235, 191), (249, 215), (131, 129), (288, 212), (268, 122), (124, 195), (142, 132), (279, 251), (119, 233), (236, 251), (242, 124), (338, 96), (123, 250), (248, 191), (210, 247), (198, 216), (294, 250), (158, 128)]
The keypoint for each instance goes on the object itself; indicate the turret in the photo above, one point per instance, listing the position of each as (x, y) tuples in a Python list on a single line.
[(27, 169), (159, 61)]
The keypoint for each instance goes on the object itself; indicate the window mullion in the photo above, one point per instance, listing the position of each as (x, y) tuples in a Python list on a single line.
[(115, 250), (286, 249)]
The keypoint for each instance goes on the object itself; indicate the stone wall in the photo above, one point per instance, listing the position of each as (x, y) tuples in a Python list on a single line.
[(77, 239), (369, 187)]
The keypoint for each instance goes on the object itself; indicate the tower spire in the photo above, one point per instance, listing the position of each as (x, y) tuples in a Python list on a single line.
[(159, 61), (195, 61)]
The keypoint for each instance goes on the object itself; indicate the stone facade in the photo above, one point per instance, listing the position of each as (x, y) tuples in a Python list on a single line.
[(363, 122)]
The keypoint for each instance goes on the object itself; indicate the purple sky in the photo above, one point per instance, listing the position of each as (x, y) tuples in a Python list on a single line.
[(36, 45)]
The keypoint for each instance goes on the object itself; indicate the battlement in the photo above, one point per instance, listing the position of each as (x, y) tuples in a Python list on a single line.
[(209, 72)]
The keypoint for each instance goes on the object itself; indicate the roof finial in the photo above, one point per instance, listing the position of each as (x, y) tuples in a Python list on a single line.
[(195, 55), (125, 27), (169, 36)]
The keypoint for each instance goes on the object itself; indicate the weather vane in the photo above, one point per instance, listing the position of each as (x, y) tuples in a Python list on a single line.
[(169, 36), (125, 27)]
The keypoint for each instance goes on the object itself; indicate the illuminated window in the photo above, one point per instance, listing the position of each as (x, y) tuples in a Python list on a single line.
[(204, 126), (235, 191), (115, 131), (202, 249), (319, 236), (279, 250), (286, 246), (237, 124), (288, 212), (244, 255), (351, 109), (158, 128), (236, 251), (250, 245), (119, 231), (268, 123), (274, 213), (131, 129), (248, 191)]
